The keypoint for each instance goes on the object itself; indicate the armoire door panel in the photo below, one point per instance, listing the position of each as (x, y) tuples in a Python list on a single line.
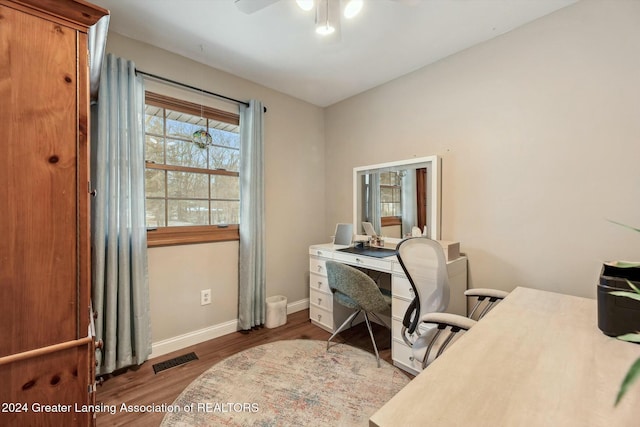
[(38, 182)]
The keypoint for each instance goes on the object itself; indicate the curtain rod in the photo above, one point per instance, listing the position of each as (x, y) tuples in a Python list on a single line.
[(173, 82)]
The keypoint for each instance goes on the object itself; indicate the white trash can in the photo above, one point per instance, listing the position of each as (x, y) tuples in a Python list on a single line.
[(276, 311)]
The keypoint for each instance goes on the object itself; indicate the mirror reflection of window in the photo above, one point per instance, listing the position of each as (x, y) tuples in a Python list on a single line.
[(418, 202)]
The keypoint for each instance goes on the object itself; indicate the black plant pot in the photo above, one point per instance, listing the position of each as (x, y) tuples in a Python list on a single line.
[(618, 315)]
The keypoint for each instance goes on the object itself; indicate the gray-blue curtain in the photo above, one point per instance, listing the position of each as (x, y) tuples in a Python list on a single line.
[(252, 280), (409, 202), (374, 214), (120, 291)]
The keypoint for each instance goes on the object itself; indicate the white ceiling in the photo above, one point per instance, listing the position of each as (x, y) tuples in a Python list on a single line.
[(277, 46)]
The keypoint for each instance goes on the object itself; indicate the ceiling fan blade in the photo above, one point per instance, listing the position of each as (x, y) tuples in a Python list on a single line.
[(250, 6)]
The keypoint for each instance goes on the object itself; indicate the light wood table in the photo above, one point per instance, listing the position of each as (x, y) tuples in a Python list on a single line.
[(537, 359)]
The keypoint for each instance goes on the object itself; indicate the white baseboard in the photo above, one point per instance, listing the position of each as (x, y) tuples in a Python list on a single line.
[(294, 307), (191, 338), (179, 342)]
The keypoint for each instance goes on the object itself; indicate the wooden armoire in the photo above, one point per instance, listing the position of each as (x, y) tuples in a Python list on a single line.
[(47, 359)]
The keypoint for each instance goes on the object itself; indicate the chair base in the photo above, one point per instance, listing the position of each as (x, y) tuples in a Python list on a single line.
[(350, 319)]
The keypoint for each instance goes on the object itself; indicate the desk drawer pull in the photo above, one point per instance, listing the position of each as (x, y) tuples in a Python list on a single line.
[(319, 284), (358, 260), (319, 253), (319, 301), (319, 268), (319, 317)]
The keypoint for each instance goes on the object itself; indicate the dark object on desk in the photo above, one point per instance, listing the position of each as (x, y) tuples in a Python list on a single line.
[(371, 251), (618, 315)]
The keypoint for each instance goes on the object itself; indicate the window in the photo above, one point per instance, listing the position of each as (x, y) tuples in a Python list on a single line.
[(192, 192)]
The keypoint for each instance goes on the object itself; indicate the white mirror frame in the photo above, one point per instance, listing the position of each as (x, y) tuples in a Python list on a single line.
[(435, 187)]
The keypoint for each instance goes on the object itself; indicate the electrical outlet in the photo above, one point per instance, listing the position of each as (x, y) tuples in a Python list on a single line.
[(205, 296)]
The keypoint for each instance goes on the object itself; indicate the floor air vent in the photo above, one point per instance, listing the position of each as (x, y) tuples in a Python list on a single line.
[(176, 361)]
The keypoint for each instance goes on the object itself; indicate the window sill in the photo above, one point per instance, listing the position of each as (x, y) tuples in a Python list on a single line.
[(169, 236), (387, 221)]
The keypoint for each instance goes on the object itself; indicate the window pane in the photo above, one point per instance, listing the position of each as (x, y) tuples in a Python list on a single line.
[(154, 183), (153, 120), (155, 213), (187, 185), (225, 138), (186, 153), (183, 125), (225, 212), (385, 178), (388, 209), (395, 178), (225, 187), (386, 194), (154, 149), (224, 158), (188, 212)]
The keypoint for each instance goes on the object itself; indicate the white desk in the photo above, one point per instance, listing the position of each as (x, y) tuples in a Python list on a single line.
[(328, 316), (537, 359)]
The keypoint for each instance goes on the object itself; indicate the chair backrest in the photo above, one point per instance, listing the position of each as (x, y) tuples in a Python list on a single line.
[(425, 265), (353, 283)]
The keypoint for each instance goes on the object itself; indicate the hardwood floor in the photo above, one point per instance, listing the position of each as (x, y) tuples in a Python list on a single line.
[(142, 387)]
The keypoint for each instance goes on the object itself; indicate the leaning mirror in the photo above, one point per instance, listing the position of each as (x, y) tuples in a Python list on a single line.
[(398, 196)]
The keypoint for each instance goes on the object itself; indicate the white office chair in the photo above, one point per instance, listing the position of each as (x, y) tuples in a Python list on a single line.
[(425, 265)]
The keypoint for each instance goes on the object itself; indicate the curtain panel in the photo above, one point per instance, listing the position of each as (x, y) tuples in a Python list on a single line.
[(374, 215), (120, 292), (252, 280)]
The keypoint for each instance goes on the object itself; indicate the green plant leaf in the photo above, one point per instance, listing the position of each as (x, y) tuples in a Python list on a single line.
[(626, 294), (625, 225), (630, 337), (626, 264), (632, 286), (632, 375)]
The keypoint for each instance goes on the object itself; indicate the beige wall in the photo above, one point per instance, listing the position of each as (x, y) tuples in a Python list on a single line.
[(539, 132), (294, 185), (538, 129)]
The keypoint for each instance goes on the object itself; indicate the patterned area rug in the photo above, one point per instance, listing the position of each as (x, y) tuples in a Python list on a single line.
[(289, 383)]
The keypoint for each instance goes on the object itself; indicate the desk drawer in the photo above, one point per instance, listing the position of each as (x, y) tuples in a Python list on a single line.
[(400, 287), (321, 252), (321, 316), (317, 266), (321, 299), (396, 329), (320, 283), (363, 261), (403, 355), (399, 308)]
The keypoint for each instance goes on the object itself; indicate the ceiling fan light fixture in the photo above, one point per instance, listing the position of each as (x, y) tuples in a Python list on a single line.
[(305, 5), (352, 8), (324, 26)]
